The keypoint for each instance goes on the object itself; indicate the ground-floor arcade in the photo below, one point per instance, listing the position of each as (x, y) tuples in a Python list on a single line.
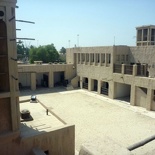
[(131, 94), (35, 80)]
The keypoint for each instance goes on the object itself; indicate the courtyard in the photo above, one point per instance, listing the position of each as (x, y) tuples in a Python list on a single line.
[(96, 116)]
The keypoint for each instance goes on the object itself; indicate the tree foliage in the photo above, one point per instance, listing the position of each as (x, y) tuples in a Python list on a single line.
[(22, 51), (47, 53), (62, 54), (63, 50)]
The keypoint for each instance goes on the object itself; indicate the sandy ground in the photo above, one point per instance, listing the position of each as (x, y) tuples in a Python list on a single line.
[(96, 116)]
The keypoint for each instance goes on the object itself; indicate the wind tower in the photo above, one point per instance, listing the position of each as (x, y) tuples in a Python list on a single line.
[(145, 35), (9, 92)]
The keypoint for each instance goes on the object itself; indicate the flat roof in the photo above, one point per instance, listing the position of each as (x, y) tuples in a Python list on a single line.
[(41, 122), (95, 116), (145, 26)]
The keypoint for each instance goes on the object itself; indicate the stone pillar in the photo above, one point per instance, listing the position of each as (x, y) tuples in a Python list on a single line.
[(134, 72), (123, 68), (111, 91), (90, 84), (33, 81), (50, 79), (81, 82), (99, 87), (145, 70), (89, 58), (80, 58), (142, 35), (149, 99), (105, 59), (100, 60), (94, 59), (85, 59), (148, 40), (133, 95)]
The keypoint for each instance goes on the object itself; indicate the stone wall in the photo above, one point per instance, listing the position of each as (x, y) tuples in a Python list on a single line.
[(59, 141)]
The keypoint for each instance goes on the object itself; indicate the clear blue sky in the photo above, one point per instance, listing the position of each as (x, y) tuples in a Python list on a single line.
[(96, 21)]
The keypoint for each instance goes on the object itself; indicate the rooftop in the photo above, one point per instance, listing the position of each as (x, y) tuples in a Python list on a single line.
[(94, 117), (40, 122)]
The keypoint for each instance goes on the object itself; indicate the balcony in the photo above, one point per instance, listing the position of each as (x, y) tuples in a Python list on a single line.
[(135, 69)]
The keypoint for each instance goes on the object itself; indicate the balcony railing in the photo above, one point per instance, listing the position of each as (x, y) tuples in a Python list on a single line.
[(136, 69), (128, 69), (117, 68)]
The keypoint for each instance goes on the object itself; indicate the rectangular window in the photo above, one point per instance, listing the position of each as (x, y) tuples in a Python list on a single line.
[(122, 57), (92, 57), (83, 57), (87, 57), (108, 56), (127, 58), (103, 58), (97, 58), (117, 57), (79, 57)]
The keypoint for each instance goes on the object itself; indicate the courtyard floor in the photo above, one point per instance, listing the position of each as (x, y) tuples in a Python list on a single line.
[(96, 116)]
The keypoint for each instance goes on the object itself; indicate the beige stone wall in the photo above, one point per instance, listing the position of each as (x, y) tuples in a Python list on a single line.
[(121, 54), (118, 82), (25, 73), (140, 97), (144, 54), (58, 142)]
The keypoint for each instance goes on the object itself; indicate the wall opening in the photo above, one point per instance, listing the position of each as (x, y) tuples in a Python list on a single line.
[(59, 79), (85, 83), (105, 88), (122, 92), (141, 96), (94, 85), (24, 81), (41, 80)]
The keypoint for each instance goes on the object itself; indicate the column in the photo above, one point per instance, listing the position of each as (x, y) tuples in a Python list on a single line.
[(148, 40), (105, 59), (134, 72), (90, 84), (149, 99), (100, 59), (89, 58), (50, 79), (133, 95), (80, 58), (142, 37), (99, 87), (81, 82), (111, 90), (85, 60), (33, 81), (123, 68), (94, 59)]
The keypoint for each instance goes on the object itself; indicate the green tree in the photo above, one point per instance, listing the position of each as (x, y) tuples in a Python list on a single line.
[(62, 56), (47, 53), (63, 50), (22, 51)]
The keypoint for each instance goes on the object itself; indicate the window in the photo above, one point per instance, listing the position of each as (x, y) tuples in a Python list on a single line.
[(117, 57), (83, 57), (122, 57), (108, 56), (127, 58), (97, 57), (103, 58), (87, 57), (92, 57)]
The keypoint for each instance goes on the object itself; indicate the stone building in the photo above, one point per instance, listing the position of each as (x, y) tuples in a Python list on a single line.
[(118, 72), (146, 35), (123, 72), (18, 137)]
